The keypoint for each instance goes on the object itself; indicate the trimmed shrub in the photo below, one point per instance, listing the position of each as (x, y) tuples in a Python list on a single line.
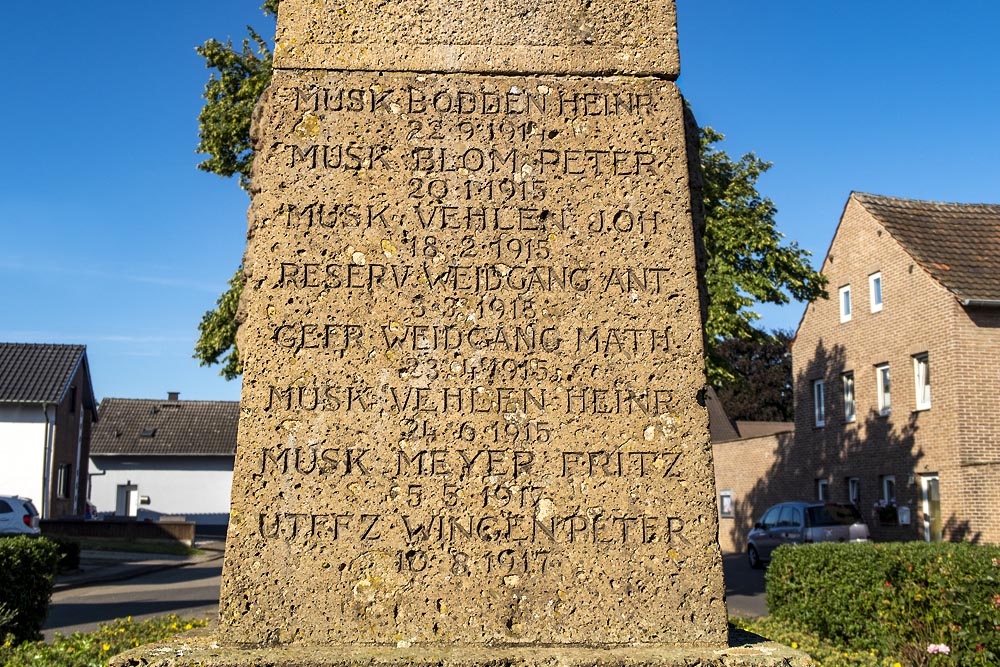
[(900, 599), (69, 553), (27, 565)]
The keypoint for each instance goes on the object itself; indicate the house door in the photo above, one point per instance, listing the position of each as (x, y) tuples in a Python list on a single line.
[(931, 501), (127, 500)]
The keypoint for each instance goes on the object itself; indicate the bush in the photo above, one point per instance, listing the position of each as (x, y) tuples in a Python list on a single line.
[(92, 649), (69, 553), (897, 599), (27, 565), (823, 653)]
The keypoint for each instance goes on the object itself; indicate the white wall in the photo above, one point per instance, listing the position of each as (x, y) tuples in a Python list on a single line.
[(22, 452), (195, 487)]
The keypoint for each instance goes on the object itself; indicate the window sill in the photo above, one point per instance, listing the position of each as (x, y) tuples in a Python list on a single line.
[(924, 408)]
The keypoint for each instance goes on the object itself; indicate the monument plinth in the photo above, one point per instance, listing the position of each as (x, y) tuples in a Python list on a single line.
[(471, 424)]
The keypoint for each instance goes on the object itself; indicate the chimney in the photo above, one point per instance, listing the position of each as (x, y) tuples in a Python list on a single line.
[(173, 395)]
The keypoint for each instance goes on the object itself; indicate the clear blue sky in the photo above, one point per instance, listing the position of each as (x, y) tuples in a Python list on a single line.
[(112, 238)]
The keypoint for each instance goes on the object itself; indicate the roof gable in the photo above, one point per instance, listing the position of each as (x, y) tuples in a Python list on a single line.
[(40, 372), (147, 427), (958, 245)]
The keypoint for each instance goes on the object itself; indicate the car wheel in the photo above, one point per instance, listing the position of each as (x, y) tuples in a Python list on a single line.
[(754, 558)]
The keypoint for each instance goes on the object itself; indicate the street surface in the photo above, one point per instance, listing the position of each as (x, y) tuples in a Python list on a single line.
[(191, 591), (744, 587)]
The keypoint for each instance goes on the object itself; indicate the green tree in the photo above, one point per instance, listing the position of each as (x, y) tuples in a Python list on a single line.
[(761, 384), (747, 260), (238, 79)]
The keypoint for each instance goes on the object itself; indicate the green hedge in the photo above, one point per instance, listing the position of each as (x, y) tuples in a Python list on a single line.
[(69, 553), (897, 599), (27, 565)]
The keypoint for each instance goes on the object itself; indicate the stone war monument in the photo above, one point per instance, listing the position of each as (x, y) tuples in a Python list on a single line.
[(472, 429)]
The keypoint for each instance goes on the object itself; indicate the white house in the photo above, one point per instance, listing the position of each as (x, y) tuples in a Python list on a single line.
[(46, 411), (154, 458)]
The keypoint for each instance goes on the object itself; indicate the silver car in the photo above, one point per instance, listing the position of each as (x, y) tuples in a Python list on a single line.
[(803, 523), (18, 516)]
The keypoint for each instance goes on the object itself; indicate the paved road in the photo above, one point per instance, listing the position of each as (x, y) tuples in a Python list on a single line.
[(191, 591), (744, 587)]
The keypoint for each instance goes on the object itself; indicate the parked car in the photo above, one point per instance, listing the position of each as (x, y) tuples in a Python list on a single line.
[(803, 523), (18, 515)]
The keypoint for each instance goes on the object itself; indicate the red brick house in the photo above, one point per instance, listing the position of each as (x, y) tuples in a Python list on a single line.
[(744, 453), (46, 410), (897, 374)]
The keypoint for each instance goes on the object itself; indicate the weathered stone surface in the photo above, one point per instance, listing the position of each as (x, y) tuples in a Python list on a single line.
[(473, 347), (205, 653), (598, 37), (473, 358)]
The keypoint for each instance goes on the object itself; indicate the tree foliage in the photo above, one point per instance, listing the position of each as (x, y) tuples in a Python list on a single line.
[(238, 79), (231, 92), (747, 260), (217, 341), (761, 384)]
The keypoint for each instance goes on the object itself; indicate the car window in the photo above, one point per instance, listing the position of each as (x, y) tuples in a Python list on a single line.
[(4, 507), (30, 508), (791, 517), (770, 519), (833, 515)]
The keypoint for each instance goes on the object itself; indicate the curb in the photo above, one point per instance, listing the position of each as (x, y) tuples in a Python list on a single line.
[(127, 570)]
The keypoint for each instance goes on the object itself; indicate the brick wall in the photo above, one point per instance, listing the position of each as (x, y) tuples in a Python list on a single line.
[(751, 470), (72, 429), (918, 316), (977, 391)]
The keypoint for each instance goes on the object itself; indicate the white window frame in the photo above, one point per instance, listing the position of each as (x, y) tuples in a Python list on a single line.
[(847, 389), (822, 490), (844, 299), (854, 491), (819, 403), (883, 381), (922, 380), (889, 484), (873, 280), (63, 481)]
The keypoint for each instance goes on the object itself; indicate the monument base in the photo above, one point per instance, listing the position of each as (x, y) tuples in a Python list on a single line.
[(745, 650)]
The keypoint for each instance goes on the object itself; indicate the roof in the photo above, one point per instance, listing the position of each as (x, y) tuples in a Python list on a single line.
[(720, 426), (757, 429), (148, 427), (41, 372), (957, 244)]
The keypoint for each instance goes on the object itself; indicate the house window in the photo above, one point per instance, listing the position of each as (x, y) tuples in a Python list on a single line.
[(726, 504), (875, 291), (922, 380), (63, 480), (822, 490), (888, 490), (847, 384), (818, 403), (845, 303), (884, 397), (854, 491)]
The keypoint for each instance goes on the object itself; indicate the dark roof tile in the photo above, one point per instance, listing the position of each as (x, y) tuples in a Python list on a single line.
[(37, 372), (957, 244), (145, 427)]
